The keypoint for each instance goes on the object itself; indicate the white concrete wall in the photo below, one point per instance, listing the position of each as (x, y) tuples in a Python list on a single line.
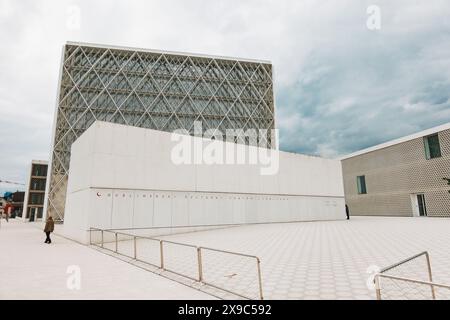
[(123, 177), (134, 158)]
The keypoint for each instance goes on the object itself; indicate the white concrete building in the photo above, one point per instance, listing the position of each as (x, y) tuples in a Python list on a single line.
[(127, 177)]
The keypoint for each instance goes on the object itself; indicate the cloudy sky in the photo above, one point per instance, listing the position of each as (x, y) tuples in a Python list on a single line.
[(340, 86)]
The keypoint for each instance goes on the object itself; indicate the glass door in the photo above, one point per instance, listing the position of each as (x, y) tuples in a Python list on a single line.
[(421, 204)]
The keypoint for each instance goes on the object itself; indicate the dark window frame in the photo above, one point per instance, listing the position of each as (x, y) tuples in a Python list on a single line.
[(361, 185), (432, 152)]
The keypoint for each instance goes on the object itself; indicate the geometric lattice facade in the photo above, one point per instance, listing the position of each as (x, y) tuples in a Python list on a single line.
[(157, 90), (395, 173)]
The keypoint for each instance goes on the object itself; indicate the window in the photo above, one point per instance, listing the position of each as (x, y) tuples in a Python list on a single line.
[(37, 184), (432, 147), (36, 198), (39, 170), (361, 183)]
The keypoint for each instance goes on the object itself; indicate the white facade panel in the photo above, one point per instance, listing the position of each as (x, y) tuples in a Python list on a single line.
[(122, 209), (180, 209), (225, 210), (238, 209), (195, 210), (162, 214), (104, 141), (251, 210), (101, 202), (143, 209), (78, 222), (104, 170)]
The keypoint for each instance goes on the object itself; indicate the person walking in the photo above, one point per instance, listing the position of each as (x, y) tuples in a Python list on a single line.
[(8, 207), (347, 211), (49, 227)]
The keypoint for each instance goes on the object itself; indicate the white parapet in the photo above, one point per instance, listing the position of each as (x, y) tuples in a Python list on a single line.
[(127, 177)]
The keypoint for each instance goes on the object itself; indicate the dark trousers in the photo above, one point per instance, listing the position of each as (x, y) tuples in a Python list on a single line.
[(48, 240)]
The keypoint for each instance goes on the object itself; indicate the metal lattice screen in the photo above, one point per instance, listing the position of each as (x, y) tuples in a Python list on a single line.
[(156, 90)]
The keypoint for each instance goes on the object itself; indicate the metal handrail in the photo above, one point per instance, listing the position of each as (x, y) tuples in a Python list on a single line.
[(431, 284), (230, 252), (176, 227), (162, 264), (179, 243), (435, 284), (137, 236), (384, 270), (258, 265), (403, 261), (133, 237), (121, 233)]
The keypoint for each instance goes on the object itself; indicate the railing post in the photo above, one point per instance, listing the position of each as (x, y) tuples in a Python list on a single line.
[(135, 249), (258, 264), (116, 241), (102, 239), (90, 236), (161, 253), (200, 266), (430, 276), (377, 286)]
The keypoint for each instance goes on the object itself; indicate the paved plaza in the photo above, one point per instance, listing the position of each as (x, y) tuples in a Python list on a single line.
[(332, 259), (32, 269), (306, 260)]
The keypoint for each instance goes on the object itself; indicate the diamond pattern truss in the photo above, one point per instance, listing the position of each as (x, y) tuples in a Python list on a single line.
[(157, 90)]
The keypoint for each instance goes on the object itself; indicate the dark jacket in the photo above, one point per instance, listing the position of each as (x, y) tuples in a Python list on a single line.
[(49, 225)]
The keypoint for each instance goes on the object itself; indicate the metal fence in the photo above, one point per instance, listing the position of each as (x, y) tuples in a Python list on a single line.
[(410, 279), (236, 273)]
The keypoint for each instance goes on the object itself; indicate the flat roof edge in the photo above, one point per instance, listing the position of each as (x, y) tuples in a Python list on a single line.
[(178, 53), (39, 161), (390, 143)]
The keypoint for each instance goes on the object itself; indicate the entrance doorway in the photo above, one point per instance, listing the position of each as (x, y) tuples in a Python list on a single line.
[(418, 205)]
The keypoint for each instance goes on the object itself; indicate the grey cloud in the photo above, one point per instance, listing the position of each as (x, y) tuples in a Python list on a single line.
[(367, 87)]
